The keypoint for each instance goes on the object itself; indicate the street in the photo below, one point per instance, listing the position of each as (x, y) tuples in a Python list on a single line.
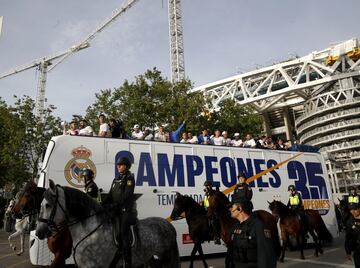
[(334, 256)]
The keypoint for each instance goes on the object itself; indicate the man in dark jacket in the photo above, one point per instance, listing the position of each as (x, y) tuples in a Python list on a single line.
[(352, 237), (251, 245), (121, 195)]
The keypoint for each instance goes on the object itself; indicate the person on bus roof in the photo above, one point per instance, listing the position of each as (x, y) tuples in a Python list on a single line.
[(121, 195), (214, 222), (353, 197)]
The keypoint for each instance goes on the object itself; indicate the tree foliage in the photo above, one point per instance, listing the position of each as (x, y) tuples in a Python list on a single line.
[(236, 118), (152, 100), (149, 101), (24, 138)]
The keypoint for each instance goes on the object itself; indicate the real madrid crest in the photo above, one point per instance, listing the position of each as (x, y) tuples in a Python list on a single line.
[(80, 161)]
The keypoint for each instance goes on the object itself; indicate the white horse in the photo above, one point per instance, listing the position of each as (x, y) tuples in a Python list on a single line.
[(20, 228), (91, 231)]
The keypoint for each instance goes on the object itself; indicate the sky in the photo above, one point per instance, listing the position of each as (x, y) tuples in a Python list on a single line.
[(221, 39)]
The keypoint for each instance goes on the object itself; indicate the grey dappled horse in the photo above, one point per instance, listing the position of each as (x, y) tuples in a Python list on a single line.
[(92, 234)]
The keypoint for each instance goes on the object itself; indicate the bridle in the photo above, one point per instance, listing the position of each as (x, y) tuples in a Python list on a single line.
[(53, 227)]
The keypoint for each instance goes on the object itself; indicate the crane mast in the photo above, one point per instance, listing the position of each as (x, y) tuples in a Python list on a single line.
[(176, 41)]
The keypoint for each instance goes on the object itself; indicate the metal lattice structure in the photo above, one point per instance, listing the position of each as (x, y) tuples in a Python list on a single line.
[(316, 97), (176, 41)]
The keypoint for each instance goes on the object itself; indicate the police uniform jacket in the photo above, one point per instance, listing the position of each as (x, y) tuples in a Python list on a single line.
[(122, 191), (295, 201), (206, 198), (353, 199), (252, 245), (352, 240), (91, 189), (243, 191)]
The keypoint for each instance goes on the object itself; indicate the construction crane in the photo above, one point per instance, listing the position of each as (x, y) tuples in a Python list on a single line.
[(176, 41), (48, 63)]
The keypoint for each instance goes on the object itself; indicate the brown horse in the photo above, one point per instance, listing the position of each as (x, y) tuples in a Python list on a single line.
[(197, 221), (218, 208), (291, 225), (59, 241)]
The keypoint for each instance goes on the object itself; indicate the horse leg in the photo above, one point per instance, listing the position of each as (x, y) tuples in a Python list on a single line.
[(193, 252), (318, 248), (284, 238), (22, 238), (14, 235), (202, 256), (300, 242)]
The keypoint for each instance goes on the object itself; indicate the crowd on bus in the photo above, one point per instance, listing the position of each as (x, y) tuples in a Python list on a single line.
[(114, 129)]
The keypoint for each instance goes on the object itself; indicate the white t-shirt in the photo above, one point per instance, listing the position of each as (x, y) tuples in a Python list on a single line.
[(161, 136), (137, 135), (237, 143), (104, 128), (184, 141), (249, 143), (217, 140), (193, 140), (86, 131), (149, 137)]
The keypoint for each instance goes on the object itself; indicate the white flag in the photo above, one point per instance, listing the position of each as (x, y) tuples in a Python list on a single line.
[(1, 19)]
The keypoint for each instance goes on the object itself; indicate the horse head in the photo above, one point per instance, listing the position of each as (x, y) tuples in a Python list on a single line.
[(52, 210), (179, 206), (28, 200), (277, 208), (218, 204)]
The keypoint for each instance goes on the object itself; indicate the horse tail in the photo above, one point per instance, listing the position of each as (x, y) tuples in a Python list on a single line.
[(319, 226), (324, 233)]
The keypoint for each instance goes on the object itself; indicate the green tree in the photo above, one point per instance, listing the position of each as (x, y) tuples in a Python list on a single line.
[(150, 101), (37, 132), (236, 118), (23, 139), (11, 162)]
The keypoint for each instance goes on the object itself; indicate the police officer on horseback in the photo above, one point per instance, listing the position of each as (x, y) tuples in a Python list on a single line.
[(90, 186), (121, 196), (214, 222), (353, 197), (242, 190), (296, 205), (251, 244)]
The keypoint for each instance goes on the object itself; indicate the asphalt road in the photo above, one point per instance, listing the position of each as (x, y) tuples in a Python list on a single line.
[(334, 256)]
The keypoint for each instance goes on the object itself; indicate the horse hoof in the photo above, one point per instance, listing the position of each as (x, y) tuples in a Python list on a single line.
[(303, 257), (13, 248), (321, 251), (281, 260), (20, 253)]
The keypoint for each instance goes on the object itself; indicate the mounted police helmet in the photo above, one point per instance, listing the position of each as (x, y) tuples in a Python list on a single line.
[(291, 187), (208, 183), (87, 173), (352, 188), (124, 161)]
